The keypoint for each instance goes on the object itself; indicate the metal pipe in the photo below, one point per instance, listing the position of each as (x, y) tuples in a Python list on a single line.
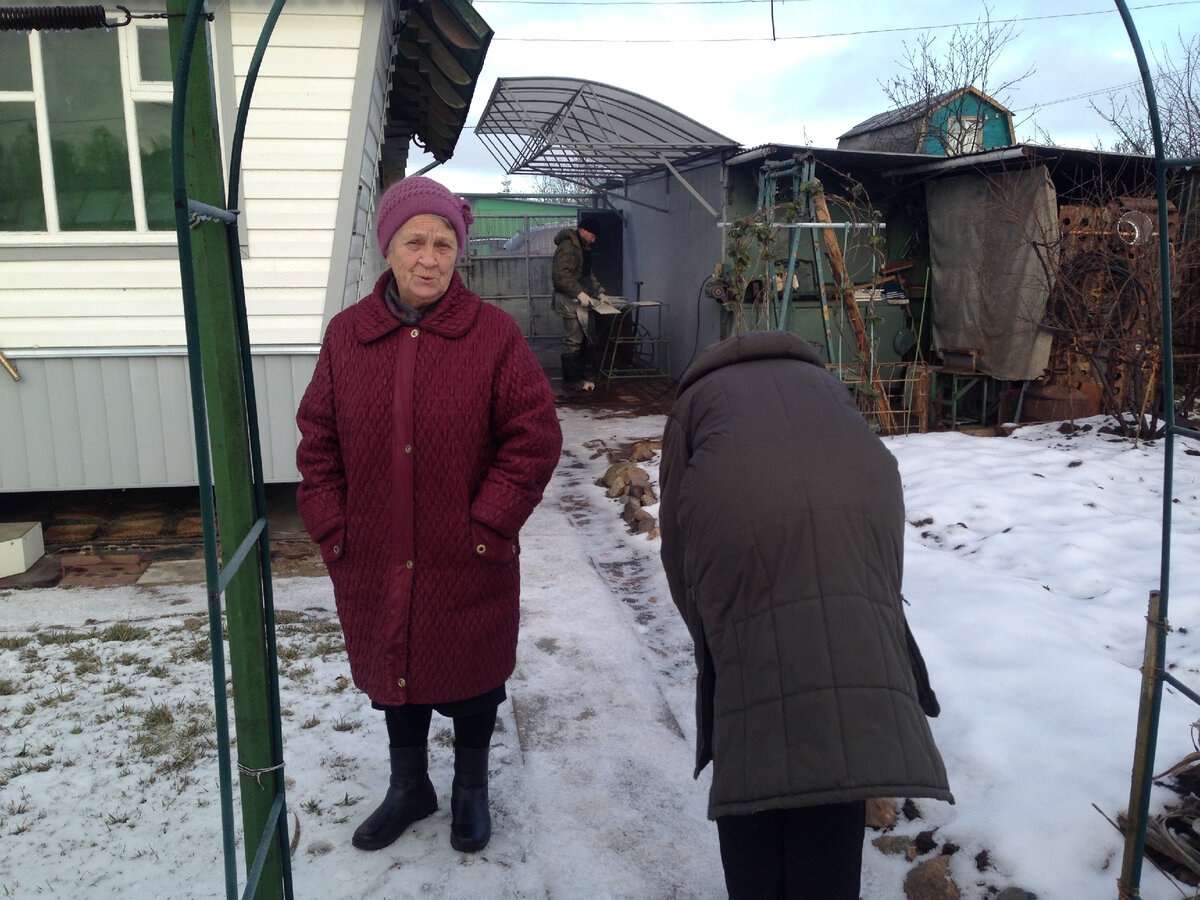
[(9, 368)]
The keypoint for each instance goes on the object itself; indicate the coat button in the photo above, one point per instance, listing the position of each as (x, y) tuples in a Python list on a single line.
[(514, 548), (401, 683), (482, 548), (409, 564), (414, 332), (336, 549), (408, 448)]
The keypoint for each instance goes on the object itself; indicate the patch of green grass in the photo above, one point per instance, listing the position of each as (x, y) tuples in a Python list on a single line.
[(59, 696), (288, 652), (131, 659), (118, 689), (124, 631), (14, 641), (340, 767), (177, 738), (159, 671), (323, 626), (197, 647), (85, 658), (61, 636), (157, 716), (299, 673), (326, 646), (344, 724), (8, 687)]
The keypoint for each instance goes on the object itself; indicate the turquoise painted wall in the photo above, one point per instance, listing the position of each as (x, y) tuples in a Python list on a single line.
[(997, 128)]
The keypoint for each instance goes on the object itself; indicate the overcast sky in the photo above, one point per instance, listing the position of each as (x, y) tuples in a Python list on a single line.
[(715, 61)]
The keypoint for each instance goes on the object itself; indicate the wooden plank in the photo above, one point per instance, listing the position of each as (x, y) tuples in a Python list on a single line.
[(285, 330), (91, 333), (342, 25), (272, 185), (285, 62), (288, 124), (290, 214), (92, 274), (302, 92), (292, 156), (293, 245), (846, 293), (73, 304)]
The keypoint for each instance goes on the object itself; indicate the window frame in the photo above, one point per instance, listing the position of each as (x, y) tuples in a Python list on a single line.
[(964, 134), (134, 90)]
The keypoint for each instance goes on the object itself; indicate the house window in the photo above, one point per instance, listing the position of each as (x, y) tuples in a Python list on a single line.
[(964, 134), (85, 131)]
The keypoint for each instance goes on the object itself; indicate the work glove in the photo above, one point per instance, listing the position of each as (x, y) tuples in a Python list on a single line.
[(584, 299)]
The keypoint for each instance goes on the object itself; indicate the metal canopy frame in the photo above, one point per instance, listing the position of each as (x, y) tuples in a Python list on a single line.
[(588, 133)]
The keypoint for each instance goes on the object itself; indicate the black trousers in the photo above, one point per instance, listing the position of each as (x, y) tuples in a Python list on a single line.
[(474, 720), (810, 853)]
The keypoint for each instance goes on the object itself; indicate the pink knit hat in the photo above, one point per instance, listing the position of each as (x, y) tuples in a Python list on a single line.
[(413, 196)]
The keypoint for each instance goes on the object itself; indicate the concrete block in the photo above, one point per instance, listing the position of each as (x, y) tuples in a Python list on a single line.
[(20, 546)]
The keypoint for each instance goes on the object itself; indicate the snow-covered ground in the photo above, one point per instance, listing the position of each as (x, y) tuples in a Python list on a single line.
[(1028, 565)]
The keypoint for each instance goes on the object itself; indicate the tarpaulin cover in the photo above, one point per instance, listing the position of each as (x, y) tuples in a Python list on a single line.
[(989, 285)]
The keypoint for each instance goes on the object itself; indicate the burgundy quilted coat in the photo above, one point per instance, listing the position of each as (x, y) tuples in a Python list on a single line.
[(423, 451)]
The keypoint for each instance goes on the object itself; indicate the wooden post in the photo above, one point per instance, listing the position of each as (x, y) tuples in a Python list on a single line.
[(842, 281), (232, 475)]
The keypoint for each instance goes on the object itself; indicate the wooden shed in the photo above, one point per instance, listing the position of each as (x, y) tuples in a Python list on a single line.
[(947, 124)]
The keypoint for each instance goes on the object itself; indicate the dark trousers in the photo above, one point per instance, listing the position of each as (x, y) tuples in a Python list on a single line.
[(811, 853), (474, 721)]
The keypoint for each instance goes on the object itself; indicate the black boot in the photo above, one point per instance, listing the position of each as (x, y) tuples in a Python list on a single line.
[(573, 375), (471, 825), (586, 366), (410, 797)]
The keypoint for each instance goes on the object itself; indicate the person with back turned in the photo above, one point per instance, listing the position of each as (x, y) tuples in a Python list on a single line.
[(782, 518)]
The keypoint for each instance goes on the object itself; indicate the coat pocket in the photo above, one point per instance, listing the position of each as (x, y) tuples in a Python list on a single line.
[(491, 546)]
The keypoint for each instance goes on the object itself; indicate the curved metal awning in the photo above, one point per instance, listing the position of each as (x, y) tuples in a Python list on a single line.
[(587, 132), (440, 49)]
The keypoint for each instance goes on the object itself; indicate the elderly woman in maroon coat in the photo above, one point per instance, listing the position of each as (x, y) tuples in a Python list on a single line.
[(428, 434)]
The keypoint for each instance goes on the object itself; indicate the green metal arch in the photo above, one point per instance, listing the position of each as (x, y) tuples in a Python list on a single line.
[(1154, 672)]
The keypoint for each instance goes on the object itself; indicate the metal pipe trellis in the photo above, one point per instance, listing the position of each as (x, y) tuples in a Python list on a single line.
[(275, 830), (1154, 665)]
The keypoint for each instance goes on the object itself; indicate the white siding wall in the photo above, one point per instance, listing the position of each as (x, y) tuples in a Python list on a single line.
[(118, 422), (292, 163), (98, 334), (365, 259)]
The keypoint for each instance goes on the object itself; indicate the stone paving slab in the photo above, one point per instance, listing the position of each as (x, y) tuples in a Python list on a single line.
[(101, 571), (174, 571)]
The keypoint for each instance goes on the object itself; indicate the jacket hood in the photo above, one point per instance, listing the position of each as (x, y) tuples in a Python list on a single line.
[(567, 234), (747, 346)]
